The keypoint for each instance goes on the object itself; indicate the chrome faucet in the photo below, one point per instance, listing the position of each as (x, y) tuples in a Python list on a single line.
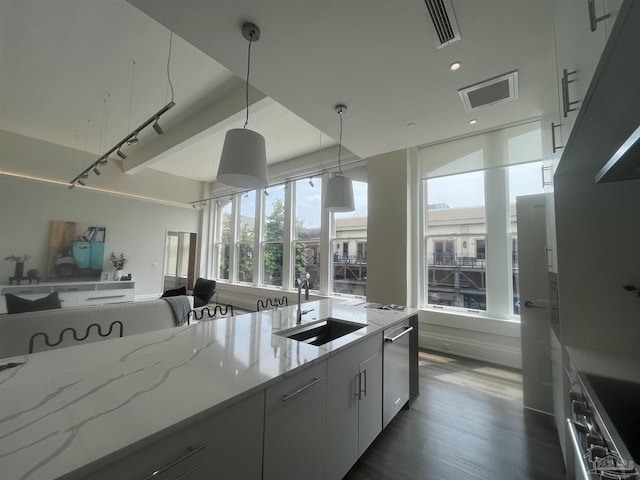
[(302, 281)]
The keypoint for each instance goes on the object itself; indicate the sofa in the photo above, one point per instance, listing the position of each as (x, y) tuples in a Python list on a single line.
[(16, 330)]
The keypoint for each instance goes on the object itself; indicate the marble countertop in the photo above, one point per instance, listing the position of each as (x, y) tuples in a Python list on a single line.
[(65, 408)]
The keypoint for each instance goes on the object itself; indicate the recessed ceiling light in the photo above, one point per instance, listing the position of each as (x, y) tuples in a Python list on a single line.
[(455, 66), (473, 121)]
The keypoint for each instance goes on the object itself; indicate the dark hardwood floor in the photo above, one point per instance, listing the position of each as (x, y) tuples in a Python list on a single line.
[(468, 423)]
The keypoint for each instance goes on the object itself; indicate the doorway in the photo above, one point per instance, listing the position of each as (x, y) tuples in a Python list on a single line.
[(179, 260)]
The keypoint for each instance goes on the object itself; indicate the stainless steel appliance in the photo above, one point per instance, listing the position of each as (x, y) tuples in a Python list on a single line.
[(604, 428), (396, 370)]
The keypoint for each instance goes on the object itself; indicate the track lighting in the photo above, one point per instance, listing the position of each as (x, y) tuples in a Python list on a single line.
[(133, 140), (72, 186), (96, 170), (103, 161), (81, 182), (121, 154), (157, 128), (311, 183), (266, 193)]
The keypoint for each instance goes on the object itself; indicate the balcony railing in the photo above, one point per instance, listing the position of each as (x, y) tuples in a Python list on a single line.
[(457, 260), (350, 259)]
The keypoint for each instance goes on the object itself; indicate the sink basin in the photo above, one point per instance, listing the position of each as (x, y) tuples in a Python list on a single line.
[(321, 332)]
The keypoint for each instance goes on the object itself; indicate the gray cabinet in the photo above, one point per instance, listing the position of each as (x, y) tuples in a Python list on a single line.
[(227, 443), (294, 430), (354, 404), (559, 388)]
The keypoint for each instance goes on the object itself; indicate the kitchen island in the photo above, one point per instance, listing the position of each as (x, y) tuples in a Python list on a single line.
[(77, 411)]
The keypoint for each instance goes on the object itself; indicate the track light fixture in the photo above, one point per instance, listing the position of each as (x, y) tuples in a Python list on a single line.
[(266, 193), (72, 186), (133, 140), (132, 137), (311, 183), (157, 127)]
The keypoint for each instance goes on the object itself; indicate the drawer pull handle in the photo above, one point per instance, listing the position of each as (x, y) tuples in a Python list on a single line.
[(300, 390), (402, 334), (189, 453), (104, 298)]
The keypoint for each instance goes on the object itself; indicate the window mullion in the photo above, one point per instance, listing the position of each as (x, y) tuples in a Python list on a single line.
[(287, 240)]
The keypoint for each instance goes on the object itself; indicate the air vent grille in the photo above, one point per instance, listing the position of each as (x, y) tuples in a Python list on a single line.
[(444, 21), (492, 91)]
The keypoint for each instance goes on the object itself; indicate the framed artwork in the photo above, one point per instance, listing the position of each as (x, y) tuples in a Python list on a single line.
[(76, 251), (105, 276)]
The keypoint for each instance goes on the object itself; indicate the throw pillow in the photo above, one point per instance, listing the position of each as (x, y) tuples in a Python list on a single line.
[(175, 292), (17, 304)]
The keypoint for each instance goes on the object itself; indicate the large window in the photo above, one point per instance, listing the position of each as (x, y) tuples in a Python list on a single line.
[(307, 229), (349, 257), (246, 236), (223, 244), (273, 236), (455, 242)]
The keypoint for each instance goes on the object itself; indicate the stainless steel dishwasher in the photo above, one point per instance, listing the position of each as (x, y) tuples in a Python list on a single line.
[(396, 370)]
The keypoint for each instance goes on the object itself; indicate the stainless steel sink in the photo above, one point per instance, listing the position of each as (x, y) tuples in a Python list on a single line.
[(321, 332)]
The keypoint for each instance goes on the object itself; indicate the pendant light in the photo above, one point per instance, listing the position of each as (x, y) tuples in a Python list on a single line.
[(244, 160), (339, 194)]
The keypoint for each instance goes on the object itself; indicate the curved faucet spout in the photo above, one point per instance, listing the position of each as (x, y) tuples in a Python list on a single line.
[(302, 281)]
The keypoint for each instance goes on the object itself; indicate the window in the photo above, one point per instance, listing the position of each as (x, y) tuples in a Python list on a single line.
[(223, 244), (455, 217), (308, 210), (273, 237), (349, 262), (246, 236)]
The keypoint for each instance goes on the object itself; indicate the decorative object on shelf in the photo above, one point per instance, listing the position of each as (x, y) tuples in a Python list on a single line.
[(339, 195), (118, 263), (19, 261), (243, 162)]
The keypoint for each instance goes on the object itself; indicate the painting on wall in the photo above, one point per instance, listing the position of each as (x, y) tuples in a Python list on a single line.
[(76, 251)]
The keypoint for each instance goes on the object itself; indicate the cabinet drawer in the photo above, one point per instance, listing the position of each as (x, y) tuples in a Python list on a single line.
[(185, 450), (347, 361), (101, 297)]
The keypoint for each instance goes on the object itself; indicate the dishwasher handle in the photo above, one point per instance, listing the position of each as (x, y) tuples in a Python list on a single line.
[(401, 334)]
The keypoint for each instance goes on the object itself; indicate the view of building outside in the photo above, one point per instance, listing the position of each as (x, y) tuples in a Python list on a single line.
[(456, 242), (306, 236), (349, 257), (246, 236), (224, 238), (456, 232), (273, 237)]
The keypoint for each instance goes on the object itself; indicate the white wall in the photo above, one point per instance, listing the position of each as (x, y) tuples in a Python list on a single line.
[(135, 227)]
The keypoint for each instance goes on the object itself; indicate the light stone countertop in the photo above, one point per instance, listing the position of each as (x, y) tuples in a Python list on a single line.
[(66, 408)]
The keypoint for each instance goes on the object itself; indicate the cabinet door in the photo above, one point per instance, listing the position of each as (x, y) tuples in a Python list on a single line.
[(578, 50), (230, 439), (370, 404), (294, 430), (342, 424), (557, 380)]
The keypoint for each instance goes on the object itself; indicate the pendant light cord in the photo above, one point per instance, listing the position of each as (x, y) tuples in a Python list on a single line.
[(168, 62), (246, 92), (340, 143)]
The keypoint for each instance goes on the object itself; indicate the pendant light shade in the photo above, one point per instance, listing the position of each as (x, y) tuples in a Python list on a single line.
[(244, 161), (339, 195)]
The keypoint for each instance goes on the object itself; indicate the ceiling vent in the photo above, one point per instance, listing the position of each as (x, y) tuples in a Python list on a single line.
[(492, 91), (444, 21)]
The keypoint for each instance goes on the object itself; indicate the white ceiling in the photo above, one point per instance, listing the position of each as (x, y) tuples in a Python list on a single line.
[(60, 60)]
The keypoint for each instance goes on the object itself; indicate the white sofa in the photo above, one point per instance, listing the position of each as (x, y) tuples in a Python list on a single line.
[(17, 329)]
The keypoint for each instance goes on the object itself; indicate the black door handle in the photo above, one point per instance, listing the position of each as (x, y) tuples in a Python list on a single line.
[(530, 304)]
